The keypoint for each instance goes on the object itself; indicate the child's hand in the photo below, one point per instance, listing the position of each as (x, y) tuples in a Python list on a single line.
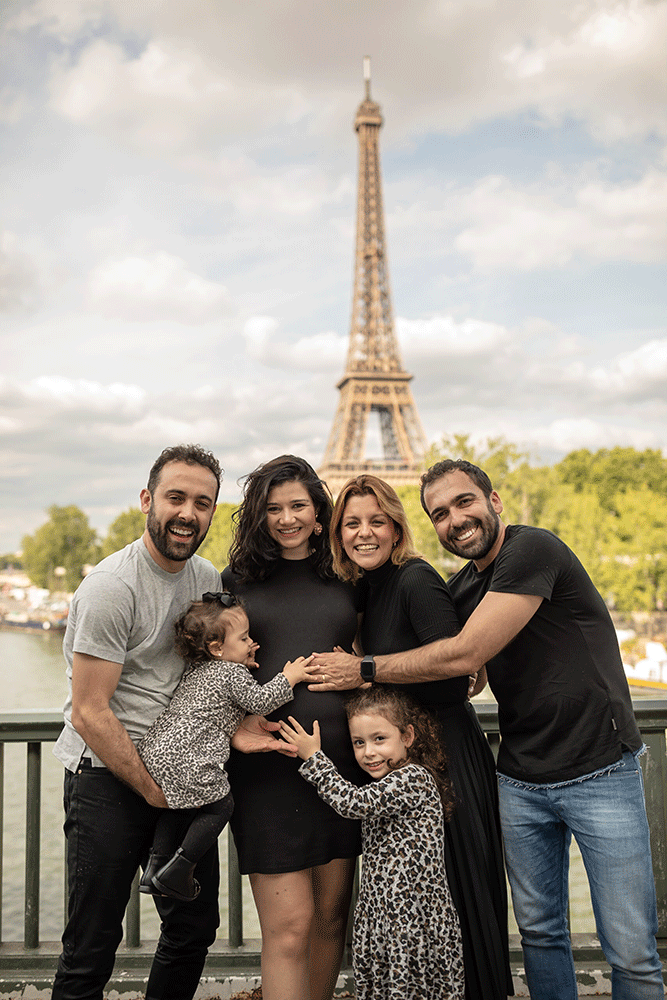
[(295, 672), (305, 744)]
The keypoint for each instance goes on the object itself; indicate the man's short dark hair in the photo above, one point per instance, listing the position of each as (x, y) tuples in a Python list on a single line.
[(191, 454), (478, 476)]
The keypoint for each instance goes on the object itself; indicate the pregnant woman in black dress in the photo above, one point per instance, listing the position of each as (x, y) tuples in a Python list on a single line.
[(407, 604), (299, 853)]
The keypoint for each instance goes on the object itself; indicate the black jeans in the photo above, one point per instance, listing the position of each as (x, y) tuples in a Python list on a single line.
[(109, 829)]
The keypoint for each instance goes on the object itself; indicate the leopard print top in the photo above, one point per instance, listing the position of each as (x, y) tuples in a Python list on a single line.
[(186, 748)]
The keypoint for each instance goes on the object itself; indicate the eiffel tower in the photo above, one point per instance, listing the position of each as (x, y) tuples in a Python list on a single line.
[(374, 379)]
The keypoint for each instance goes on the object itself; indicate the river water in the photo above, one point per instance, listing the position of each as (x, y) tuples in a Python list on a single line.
[(32, 673)]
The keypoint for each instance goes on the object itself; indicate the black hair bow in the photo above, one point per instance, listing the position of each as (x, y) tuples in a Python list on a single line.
[(223, 597)]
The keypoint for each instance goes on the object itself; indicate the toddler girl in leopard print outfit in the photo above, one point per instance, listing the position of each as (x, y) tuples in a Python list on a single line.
[(407, 941), (186, 748)]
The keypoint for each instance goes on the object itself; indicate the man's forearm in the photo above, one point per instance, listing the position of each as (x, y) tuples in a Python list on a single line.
[(433, 662), (110, 741)]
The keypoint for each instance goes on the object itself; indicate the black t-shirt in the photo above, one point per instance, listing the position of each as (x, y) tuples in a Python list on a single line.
[(564, 705)]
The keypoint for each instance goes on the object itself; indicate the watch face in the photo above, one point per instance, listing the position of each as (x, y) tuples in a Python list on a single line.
[(367, 669)]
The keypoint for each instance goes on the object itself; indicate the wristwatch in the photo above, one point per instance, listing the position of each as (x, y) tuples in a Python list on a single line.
[(367, 668)]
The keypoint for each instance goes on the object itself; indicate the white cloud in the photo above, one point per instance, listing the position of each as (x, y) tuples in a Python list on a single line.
[(639, 373), (615, 50), (564, 435), (171, 96), (18, 280), (547, 225), (321, 352), (194, 78), (66, 393), (443, 337), (156, 287)]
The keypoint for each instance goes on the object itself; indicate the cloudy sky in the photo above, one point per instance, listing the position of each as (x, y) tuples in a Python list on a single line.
[(178, 199)]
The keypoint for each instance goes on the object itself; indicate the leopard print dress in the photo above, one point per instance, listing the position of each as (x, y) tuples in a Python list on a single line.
[(187, 747), (407, 941)]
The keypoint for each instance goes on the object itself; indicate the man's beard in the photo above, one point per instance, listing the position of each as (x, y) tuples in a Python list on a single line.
[(484, 540), (166, 545)]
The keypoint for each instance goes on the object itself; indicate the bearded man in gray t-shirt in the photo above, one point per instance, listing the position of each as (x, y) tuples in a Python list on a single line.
[(122, 671)]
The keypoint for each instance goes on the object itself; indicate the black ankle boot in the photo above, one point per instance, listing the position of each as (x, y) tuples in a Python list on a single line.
[(175, 878), (153, 865)]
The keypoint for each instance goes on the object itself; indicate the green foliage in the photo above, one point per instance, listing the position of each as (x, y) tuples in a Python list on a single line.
[(66, 542), (127, 527), (497, 457), (217, 543), (611, 473)]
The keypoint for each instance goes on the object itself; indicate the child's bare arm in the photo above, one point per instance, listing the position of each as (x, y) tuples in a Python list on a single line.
[(295, 672), (297, 736)]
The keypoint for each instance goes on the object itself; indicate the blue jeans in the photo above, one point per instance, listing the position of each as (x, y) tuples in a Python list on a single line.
[(607, 815), (109, 832)]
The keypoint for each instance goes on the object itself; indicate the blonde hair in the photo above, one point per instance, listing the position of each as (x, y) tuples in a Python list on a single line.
[(390, 504)]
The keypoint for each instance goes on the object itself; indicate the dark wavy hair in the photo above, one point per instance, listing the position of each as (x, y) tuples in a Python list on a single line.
[(254, 553), (402, 710), (473, 472), (202, 624), (191, 454)]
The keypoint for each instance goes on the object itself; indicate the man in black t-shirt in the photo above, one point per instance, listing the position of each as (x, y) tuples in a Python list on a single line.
[(568, 757)]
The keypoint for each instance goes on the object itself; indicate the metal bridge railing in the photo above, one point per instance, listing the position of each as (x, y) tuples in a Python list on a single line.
[(36, 728)]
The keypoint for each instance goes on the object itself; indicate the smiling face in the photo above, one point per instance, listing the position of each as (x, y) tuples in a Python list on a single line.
[(377, 741), (291, 518), (467, 522), (237, 646), (368, 534), (179, 513)]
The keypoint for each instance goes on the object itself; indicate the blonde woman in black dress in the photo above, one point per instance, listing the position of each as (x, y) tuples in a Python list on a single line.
[(299, 853), (407, 604)]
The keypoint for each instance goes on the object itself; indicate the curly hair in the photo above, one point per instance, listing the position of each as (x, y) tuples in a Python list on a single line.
[(191, 454), (473, 472), (203, 623), (402, 710), (254, 553), (390, 504)]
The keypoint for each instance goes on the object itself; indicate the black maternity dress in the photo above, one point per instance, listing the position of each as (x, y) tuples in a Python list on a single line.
[(408, 606), (280, 823)]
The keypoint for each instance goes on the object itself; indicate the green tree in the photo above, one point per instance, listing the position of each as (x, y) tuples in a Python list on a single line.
[(496, 456), (613, 472), (219, 538), (636, 568), (125, 529), (66, 541)]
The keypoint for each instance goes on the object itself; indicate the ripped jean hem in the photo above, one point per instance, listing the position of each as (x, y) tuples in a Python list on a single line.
[(505, 779)]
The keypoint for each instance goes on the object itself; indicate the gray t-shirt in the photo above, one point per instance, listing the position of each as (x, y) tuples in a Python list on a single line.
[(124, 611)]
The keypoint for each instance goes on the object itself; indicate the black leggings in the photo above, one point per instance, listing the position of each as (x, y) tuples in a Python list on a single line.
[(206, 825)]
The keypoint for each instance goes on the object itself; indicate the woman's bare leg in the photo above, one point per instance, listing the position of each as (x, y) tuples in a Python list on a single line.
[(286, 911), (332, 890)]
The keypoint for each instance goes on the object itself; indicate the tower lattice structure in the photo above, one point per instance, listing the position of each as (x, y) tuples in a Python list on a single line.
[(374, 379)]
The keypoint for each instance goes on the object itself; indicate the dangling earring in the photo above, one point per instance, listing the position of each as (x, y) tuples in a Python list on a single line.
[(317, 530)]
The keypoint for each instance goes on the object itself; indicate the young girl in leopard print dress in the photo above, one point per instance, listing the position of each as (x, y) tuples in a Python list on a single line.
[(407, 941), (186, 748)]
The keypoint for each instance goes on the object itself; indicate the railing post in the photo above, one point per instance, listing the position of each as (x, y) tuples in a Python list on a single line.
[(33, 808), (234, 894), (133, 915), (2, 822), (654, 765)]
